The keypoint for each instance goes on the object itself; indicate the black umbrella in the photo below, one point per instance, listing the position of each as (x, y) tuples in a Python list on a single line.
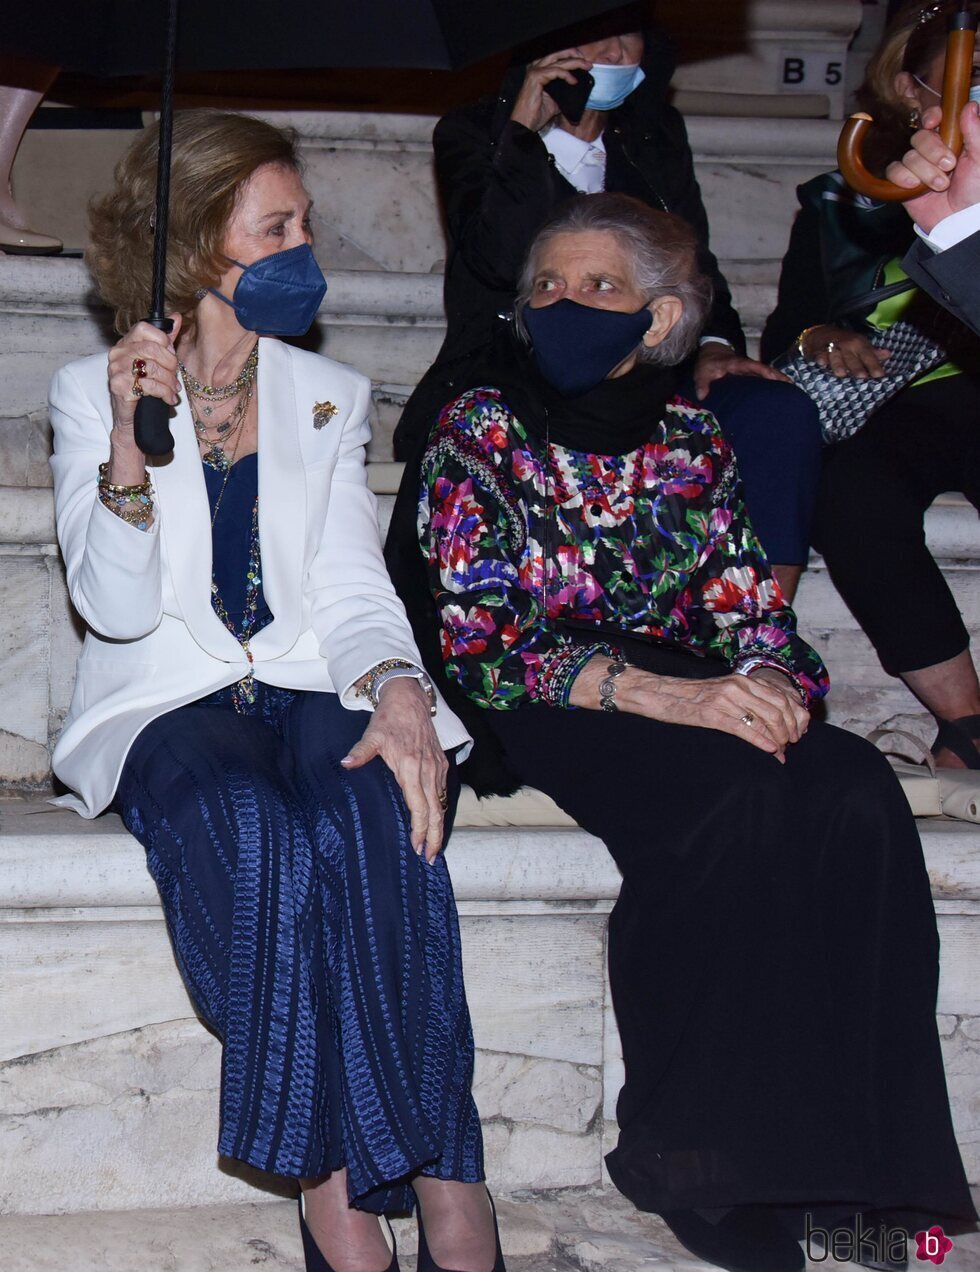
[(125, 37)]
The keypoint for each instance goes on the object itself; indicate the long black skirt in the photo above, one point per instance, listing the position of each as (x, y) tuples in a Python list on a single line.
[(774, 963)]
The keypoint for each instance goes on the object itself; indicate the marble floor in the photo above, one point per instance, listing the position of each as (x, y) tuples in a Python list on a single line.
[(569, 1231)]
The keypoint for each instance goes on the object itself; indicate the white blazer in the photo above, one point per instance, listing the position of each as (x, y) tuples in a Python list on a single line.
[(153, 641)]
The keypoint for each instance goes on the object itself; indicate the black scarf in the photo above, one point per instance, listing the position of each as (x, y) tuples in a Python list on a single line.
[(614, 418)]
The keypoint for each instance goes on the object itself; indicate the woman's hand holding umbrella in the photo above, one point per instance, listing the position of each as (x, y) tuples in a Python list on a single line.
[(143, 363)]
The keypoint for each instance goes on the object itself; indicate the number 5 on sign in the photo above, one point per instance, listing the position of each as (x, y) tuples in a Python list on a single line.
[(809, 72)]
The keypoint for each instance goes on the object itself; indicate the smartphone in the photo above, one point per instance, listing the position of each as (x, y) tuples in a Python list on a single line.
[(571, 98)]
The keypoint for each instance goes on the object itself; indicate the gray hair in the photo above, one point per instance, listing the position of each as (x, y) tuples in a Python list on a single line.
[(662, 250)]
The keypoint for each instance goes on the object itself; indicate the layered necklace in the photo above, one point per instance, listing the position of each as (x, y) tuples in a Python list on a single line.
[(219, 440), (220, 437)]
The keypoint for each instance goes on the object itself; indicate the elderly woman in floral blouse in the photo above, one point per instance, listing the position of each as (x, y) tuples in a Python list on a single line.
[(606, 618)]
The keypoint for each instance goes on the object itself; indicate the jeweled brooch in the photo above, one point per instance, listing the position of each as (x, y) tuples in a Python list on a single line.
[(323, 413)]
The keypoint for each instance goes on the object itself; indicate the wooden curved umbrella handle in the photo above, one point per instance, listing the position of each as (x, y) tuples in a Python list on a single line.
[(956, 92)]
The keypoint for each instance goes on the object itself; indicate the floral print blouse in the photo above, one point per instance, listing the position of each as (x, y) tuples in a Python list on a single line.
[(655, 542)]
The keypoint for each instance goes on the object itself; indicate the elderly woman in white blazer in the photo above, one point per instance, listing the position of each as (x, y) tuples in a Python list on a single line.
[(250, 698)]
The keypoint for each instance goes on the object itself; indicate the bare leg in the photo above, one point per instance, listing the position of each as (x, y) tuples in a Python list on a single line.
[(950, 690), (788, 578), (458, 1223), (350, 1240)]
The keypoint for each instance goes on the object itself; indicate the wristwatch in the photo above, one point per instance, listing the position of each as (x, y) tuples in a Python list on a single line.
[(393, 669)]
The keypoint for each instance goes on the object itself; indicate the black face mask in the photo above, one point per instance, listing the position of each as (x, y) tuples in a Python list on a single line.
[(576, 346)]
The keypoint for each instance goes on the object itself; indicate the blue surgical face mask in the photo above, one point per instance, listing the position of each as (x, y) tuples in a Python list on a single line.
[(974, 89), (613, 84), (280, 294), (576, 346)]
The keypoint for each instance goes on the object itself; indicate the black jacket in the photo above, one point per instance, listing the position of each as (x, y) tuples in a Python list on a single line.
[(838, 247), (498, 185), (951, 278)]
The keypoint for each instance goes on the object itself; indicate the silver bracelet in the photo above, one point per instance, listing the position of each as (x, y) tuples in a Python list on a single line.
[(380, 679), (607, 686)]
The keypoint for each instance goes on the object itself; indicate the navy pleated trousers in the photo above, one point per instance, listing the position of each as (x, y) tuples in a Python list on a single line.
[(319, 948)]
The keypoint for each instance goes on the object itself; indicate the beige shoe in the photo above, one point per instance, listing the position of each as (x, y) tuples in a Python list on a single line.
[(14, 240)]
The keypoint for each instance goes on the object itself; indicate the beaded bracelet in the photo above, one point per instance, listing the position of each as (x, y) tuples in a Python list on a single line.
[(132, 504), (757, 661)]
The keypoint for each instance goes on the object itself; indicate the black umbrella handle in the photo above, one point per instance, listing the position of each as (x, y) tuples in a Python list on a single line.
[(152, 420), (151, 424)]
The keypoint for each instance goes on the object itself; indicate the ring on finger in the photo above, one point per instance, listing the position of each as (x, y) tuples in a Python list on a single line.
[(830, 346), (137, 389), (747, 719), (443, 800), (139, 368)]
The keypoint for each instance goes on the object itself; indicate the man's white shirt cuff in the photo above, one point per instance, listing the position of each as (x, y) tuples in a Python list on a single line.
[(952, 229)]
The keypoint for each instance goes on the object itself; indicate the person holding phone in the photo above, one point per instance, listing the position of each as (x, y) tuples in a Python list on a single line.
[(506, 164)]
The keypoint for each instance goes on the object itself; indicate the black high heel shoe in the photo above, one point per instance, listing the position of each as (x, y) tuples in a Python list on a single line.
[(315, 1262), (959, 736), (426, 1263)]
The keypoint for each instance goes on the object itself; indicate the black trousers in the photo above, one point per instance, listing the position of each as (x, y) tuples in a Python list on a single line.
[(774, 962), (874, 491)]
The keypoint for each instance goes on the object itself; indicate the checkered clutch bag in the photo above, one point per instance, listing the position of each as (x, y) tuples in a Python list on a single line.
[(847, 403)]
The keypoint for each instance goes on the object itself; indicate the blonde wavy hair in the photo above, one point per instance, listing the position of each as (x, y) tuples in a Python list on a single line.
[(912, 40), (214, 155)]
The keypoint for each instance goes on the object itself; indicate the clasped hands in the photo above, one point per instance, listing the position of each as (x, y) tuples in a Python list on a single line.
[(763, 709)]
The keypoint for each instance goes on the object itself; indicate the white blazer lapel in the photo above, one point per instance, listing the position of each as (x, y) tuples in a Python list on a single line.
[(282, 499), (185, 522)]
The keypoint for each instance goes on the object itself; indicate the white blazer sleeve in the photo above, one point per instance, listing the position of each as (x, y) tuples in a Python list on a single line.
[(114, 569), (355, 612)]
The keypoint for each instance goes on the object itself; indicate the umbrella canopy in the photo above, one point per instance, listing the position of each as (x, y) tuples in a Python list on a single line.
[(126, 37)]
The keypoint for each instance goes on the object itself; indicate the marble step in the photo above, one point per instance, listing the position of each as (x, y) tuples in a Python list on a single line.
[(543, 1232), (571, 1231), (108, 1083)]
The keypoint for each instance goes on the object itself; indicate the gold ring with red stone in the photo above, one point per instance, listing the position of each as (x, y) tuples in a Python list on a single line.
[(139, 368)]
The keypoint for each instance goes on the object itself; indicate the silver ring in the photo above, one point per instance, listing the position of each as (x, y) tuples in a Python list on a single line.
[(748, 718), (830, 346)]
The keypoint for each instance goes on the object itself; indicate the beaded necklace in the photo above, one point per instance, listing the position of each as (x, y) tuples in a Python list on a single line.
[(221, 392), (243, 693)]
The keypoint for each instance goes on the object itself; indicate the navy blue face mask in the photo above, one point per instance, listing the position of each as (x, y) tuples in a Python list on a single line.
[(280, 294), (576, 346)]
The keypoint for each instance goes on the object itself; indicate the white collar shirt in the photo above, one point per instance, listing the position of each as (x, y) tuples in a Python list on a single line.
[(581, 163)]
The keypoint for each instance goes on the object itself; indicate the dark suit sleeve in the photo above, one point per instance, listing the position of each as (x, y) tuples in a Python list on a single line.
[(686, 201), (495, 195), (802, 300), (951, 278)]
